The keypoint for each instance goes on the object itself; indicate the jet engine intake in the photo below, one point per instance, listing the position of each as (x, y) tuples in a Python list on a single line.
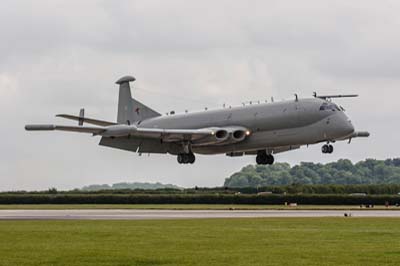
[(220, 135), (239, 135), (235, 135)]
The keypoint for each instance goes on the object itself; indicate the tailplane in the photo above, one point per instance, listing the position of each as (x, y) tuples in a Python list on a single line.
[(131, 111)]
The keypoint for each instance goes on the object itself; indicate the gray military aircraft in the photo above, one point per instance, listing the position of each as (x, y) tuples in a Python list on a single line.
[(256, 129)]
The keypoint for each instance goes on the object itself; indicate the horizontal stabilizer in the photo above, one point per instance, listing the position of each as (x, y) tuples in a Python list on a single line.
[(87, 120)]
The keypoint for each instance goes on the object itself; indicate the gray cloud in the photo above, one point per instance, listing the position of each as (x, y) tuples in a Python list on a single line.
[(59, 56)]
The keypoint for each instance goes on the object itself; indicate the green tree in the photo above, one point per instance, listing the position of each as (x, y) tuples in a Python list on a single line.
[(342, 172)]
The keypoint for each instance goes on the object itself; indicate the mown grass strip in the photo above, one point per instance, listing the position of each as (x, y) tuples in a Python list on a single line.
[(326, 241)]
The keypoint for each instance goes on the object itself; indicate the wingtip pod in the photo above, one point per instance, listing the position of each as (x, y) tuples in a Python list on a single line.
[(39, 127)]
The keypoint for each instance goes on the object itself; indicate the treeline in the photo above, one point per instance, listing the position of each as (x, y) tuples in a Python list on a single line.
[(342, 172), (255, 199), (131, 186), (323, 189), (382, 189)]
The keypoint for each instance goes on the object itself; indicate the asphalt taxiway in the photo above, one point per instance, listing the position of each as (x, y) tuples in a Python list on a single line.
[(183, 214)]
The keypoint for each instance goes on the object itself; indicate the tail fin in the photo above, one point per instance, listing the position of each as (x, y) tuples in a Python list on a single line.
[(131, 111)]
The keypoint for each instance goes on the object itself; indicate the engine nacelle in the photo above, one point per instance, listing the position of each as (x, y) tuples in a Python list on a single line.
[(235, 135), (220, 135)]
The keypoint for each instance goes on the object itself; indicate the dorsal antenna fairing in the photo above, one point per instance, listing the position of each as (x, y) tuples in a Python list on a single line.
[(327, 97)]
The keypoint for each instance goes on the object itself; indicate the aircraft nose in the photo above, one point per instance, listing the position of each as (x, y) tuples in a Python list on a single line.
[(347, 127)]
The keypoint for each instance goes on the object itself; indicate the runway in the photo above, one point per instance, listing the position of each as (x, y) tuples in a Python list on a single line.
[(182, 214)]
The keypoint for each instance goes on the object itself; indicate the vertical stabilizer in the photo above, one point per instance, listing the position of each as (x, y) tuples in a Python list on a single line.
[(131, 111)]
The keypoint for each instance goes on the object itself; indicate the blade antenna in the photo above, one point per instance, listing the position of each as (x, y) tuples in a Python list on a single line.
[(81, 117)]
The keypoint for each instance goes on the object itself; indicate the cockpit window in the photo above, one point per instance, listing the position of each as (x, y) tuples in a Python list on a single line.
[(329, 107)]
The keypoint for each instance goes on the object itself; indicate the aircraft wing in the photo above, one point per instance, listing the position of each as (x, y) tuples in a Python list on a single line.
[(172, 135), (166, 135), (87, 120), (116, 131)]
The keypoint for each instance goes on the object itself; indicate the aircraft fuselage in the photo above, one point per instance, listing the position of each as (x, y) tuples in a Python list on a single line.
[(287, 123)]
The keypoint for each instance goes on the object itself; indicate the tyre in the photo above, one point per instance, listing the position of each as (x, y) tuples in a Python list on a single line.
[(180, 159), (330, 147), (192, 158), (270, 159), (261, 159), (185, 158), (325, 149)]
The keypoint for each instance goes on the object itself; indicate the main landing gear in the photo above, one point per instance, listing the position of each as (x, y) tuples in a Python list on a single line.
[(327, 148), (186, 158), (263, 158)]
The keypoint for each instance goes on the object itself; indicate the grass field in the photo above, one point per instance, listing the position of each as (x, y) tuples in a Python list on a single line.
[(327, 241), (182, 207)]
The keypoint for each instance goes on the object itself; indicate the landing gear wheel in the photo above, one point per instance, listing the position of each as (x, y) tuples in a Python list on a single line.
[(180, 159), (186, 158), (263, 158), (270, 159), (327, 149), (330, 148), (192, 158)]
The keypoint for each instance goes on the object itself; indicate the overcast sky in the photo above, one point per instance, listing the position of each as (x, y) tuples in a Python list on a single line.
[(59, 56)]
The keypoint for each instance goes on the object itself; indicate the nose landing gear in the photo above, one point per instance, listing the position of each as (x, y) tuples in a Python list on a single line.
[(186, 158), (263, 158), (327, 149)]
